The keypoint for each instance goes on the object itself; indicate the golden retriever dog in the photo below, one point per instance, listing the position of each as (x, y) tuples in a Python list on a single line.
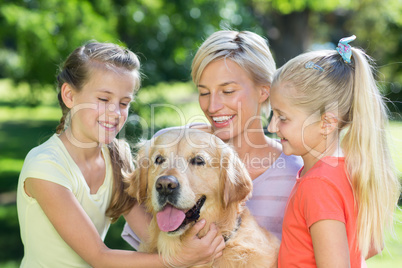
[(187, 174)]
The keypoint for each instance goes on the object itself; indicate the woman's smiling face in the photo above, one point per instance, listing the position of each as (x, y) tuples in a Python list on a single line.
[(230, 99)]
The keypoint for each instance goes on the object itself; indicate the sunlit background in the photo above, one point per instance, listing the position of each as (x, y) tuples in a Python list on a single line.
[(36, 35)]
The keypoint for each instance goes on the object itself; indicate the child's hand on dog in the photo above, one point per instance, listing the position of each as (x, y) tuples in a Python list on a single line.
[(196, 251)]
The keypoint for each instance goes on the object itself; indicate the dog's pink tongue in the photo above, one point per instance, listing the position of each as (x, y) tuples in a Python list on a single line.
[(170, 218)]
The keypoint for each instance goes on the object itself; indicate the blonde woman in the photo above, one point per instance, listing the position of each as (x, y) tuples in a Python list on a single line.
[(233, 72)]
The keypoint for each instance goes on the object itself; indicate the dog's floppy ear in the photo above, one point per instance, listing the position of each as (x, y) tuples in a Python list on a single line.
[(139, 178), (236, 183)]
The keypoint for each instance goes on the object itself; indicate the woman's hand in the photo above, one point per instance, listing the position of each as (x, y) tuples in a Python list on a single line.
[(138, 220), (195, 250)]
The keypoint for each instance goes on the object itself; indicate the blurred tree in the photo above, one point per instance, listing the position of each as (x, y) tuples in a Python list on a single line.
[(167, 33), (295, 26), (379, 26), (35, 35), (291, 24)]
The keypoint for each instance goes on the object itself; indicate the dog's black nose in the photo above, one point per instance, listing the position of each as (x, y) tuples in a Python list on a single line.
[(166, 185)]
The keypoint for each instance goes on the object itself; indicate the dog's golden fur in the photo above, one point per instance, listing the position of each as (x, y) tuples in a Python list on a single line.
[(202, 165)]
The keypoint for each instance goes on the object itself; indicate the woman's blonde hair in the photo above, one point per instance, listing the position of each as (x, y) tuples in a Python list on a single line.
[(327, 83), (76, 71), (249, 50)]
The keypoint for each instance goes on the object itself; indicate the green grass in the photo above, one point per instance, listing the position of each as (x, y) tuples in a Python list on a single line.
[(173, 104), (395, 129), (392, 253), (21, 94), (22, 113)]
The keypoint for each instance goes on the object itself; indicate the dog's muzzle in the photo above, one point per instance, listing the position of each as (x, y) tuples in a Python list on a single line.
[(168, 188), (171, 219)]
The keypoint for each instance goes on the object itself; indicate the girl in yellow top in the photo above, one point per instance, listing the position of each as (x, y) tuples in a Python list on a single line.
[(70, 188)]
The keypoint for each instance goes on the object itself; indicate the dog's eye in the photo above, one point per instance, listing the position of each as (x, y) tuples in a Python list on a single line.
[(159, 160), (198, 161)]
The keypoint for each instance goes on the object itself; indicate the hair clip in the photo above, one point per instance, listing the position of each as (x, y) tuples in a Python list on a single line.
[(344, 49), (312, 65)]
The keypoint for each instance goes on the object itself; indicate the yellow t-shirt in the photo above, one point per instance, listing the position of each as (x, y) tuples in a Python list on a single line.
[(43, 246)]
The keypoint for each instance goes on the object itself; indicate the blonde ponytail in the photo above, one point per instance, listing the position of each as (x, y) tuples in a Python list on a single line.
[(351, 90), (367, 156)]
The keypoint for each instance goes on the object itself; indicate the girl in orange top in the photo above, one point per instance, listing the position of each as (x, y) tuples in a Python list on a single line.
[(346, 193)]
